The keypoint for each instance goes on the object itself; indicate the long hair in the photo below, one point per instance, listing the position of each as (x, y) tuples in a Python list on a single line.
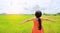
[(38, 14)]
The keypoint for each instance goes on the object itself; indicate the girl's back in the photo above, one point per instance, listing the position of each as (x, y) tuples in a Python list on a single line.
[(35, 20), (35, 28)]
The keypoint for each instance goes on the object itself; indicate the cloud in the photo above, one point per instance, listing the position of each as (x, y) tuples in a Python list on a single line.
[(25, 6)]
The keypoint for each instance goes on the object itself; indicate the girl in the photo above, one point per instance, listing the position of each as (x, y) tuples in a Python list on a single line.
[(38, 28)]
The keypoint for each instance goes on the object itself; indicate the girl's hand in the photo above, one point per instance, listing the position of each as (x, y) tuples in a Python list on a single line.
[(26, 21), (52, 21), (21, 23), (48, 19)]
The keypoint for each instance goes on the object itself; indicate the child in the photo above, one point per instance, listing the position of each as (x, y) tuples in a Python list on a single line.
[(37, 22)]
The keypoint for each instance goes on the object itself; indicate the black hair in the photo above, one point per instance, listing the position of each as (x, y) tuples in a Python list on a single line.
[(38, 14)]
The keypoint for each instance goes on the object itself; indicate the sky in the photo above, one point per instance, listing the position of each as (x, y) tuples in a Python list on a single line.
[(29, 6)]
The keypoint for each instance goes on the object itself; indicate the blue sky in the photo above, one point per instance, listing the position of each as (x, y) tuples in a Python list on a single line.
[(29, 6)]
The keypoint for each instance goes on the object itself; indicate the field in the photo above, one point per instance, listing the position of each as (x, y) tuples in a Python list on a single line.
[(10, 24)]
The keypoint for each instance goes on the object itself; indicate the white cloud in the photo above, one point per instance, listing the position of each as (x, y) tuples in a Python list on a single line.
[(17, 6)]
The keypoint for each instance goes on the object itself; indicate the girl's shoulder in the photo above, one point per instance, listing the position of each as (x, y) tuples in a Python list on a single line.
[(36, 18)]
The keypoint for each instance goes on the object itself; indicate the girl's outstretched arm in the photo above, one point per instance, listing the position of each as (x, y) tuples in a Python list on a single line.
[(26, 21), (47, 19)]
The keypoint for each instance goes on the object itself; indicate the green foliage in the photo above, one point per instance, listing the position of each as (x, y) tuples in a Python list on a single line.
[(57, 14), (10, 24)]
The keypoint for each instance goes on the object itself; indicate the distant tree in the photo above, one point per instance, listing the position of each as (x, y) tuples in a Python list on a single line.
[(44, 14), (58, 13), (3, 14), (54, 14)]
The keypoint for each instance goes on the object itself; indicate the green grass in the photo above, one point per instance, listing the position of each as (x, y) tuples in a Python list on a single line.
[(10, 24)]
